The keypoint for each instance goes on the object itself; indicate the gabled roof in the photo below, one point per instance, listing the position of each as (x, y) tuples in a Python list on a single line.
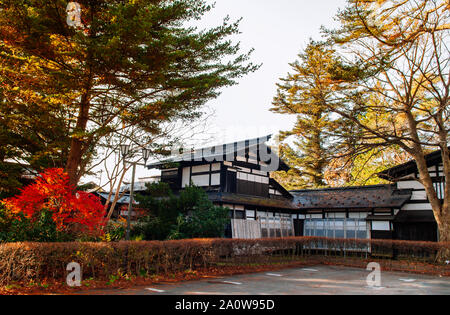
[(233, 198), (281, 189), (410, 167), (377, 196), (221, 152)]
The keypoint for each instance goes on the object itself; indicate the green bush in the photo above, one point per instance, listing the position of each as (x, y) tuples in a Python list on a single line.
[(152, 228), (115, 231), (187, 215), (41, 228), (205, 221)]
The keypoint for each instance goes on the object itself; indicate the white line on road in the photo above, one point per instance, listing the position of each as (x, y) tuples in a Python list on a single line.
[(407, 280), (232, 282), (274, 274), (309, 269), (155, 290)]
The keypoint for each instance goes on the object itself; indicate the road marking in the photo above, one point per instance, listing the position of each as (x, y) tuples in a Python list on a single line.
[(232, 282), (407, 280), (224, 282), (274, 274), (155, 290), (309, 269)]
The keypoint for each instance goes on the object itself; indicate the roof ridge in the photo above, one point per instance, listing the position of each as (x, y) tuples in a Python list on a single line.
[(342, 188)]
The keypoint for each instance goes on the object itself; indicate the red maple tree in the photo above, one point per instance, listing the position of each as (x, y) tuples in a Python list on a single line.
[(72, 211)]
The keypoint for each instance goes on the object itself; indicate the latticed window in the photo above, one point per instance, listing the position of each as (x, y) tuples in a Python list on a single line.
[(337, 228)]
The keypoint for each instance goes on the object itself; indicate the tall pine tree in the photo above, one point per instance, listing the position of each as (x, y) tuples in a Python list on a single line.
[(304, 93), (133, 63)]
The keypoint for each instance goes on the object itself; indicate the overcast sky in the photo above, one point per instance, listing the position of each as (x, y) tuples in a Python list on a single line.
[(278, 30)]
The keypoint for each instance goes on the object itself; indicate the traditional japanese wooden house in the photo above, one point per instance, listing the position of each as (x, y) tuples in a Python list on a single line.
[(237, 176), (397, 211), (349, 212)]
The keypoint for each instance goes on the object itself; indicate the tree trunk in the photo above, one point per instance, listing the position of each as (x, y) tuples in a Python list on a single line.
[(441, 220), (116, 196), (443, 256), (440, 210), (77, 144), (444, 228)]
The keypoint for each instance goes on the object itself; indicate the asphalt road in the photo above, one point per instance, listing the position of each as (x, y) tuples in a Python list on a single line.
[(299, 281)]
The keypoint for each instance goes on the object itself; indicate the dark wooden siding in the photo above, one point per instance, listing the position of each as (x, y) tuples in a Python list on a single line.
[(381, 235), (172, 178), (416, 231), (252, 188)]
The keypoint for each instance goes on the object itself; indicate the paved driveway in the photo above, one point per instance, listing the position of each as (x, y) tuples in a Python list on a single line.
[(298, 281)]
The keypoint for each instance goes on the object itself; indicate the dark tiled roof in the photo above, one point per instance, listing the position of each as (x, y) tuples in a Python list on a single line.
[(410, 167), (252, 200), (379, 196)]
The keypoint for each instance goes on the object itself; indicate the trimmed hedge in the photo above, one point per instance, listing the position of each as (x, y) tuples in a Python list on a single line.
[(39, 261)]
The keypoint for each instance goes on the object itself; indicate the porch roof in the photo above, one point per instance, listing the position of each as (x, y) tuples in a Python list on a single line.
[(284, 203), (410, 167)]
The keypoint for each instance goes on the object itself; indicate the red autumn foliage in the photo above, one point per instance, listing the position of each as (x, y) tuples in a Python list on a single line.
[(71, 210)]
